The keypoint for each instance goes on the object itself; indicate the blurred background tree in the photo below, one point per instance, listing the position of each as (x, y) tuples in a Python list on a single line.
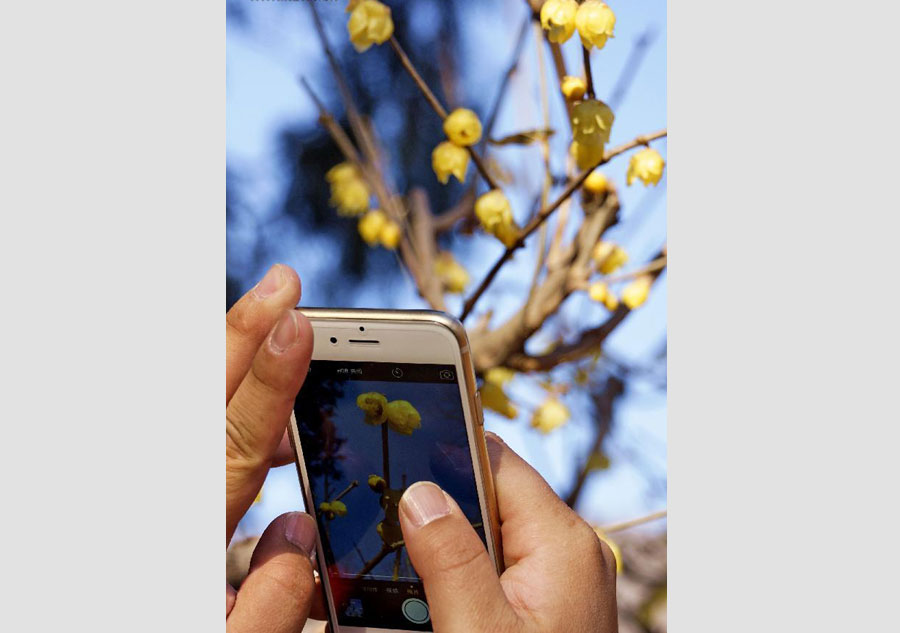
[(566, 308)]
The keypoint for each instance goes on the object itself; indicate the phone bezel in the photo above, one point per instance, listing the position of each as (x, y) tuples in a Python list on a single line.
[(405, 336)]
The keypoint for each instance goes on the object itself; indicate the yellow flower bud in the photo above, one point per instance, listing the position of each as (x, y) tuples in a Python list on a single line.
[(573, 87), (591, 122), (595, 22), (351, 197), (646, 165), (342, 172), (586, 156), (598, 291), (453, 276), (635, 294), (370, 23), (402, 417), (610, 302), (390, 234), (495, 214), (494, 398), (333, 508), (550, 415), (612, 545), (597, 182), (376, 483), (463, 127), (558, 19), (370, 226), (373, 404), (449, 159), (609, 257)]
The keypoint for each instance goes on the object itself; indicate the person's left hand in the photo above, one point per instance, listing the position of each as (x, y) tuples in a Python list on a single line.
[(268, 348)]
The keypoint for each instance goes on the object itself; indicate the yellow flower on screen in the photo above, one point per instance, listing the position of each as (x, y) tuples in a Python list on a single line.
[(595, 22), (573, 88), (332, 509), (370, 23), (592, 121), (373, 405), (376, 483), (551, 415), (390, 234), (370, 226), (609, 257), (647, 166), (558, 19), (462, 127), (351, 197), (449, 159), (495, 214), (635, 294), (597, 182), (402, 417), (453, 276), (586, 156)]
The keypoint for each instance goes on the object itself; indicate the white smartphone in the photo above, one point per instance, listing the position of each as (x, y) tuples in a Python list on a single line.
[(390, 399)]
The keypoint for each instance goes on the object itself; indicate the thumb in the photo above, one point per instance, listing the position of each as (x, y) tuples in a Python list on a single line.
[(461, 583), (278, 591)]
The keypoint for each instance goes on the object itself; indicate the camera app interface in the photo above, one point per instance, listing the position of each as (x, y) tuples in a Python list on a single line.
[(368, 432)]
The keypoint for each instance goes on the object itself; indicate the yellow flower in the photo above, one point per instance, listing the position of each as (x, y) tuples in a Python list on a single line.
[(558, 19), (550, 415), (597, 182), (586, 156), (332, 509), (612, 545), (453, 276), (370, 226), (373, 404), (351, 4), (370, 23), (390, 234), (609, 257), (499, 375), (573, 87), (595, 22), (492, 395), (635, 293), (598, 291), (597, 461), (495, 214), (342, 172), (646, 165), (351, 197), (610, 302), (402, 417), (376, 483), (449, 159), (592, 121), (463, 127)]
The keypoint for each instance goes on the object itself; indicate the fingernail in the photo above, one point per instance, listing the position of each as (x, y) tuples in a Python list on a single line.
[(300, 531), (269, 284), (424, 502), (285, 333)]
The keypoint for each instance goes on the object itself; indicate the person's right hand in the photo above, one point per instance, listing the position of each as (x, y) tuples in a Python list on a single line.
[(559, 575)]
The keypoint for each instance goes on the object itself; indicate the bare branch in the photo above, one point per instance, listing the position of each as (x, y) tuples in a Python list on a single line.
[(588, 75), (629, 70), (624, 525)]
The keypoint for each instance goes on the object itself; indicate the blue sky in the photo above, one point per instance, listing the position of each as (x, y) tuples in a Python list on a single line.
[(263, 96)]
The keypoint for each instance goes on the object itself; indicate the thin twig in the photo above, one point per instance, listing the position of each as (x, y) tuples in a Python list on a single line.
[(629, 70), (546, 212), (504, 83), (588, 76), (657, 264), (624, 525), (438, 108)]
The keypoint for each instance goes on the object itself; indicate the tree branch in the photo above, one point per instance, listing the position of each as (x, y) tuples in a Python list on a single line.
[(624, 525)]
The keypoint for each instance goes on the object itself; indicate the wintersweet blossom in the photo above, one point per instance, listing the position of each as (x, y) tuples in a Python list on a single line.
[(647, 166), (370, 23), (449, 159), (597, 182), (609, 257), (635, 294), (592, 121), (492, 395), (595, 22), (586, 156), (370, 226), (598, 291), (573, 88), (453, 276), (495, 214), (402, 417), (550, 415), (462, 127), (390, 234), (373, 404), (332, 509), (376, 483), (558, 19)]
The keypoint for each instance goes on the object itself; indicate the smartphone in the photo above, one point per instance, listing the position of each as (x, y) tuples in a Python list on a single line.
[(390, 399)]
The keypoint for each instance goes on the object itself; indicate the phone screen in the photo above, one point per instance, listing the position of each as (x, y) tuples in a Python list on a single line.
[(368, 431)]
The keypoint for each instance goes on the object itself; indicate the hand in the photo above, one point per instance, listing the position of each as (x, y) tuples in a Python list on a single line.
[(559, 575), (268, 348)]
